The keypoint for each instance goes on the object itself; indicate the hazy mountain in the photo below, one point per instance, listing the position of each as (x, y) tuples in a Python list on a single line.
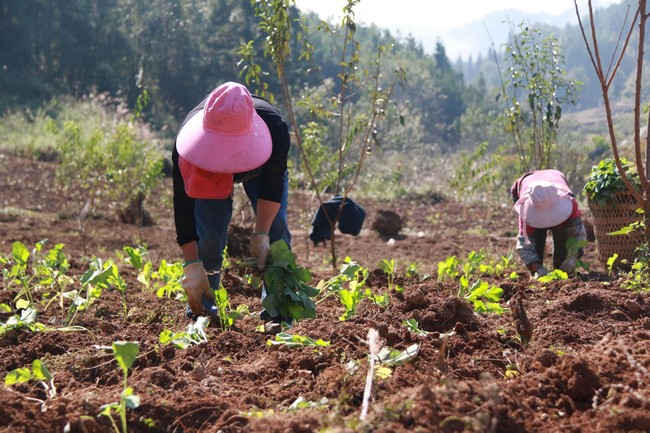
[(476, 37)]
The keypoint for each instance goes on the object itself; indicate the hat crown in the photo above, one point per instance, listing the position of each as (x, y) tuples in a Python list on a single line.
[(229, 110), (543, 196)]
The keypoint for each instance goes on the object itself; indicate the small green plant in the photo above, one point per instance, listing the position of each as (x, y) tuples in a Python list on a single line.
[(413, 326), (137, 257), (290, 340), (390, 269), (195, 334), (448, 268), (116, 281), (611, 261), (554, 275), (170, 275), (350, 298), (38, 372), (381, 300), (573, 247), (498, 266), (228, 316), (638, 278), (26, 320), (18, 272), (125, 353), (354, 276), (93, 281), (483, 296), (288, 293)]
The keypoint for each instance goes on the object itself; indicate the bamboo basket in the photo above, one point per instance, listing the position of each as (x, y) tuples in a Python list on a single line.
[(620, 213)]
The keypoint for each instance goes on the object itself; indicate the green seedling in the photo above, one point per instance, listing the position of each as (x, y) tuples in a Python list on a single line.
[(473, 263), (483, 297), (350, 271), (354, 276), (638, 277), (26, 320), (412, 271), (290, 340), (227, 316), (18, 272), (288, 293), (413, 326), (39, 372), (499, 266), (138, 259), (573, 247), (448, 268), (350, 298), (303, 403), (195, 334), (382, 300), (390, 269), (93, 281), (610, 263), (388, 358), (125, 353), (554, 275), (171, 276), (119, 284)]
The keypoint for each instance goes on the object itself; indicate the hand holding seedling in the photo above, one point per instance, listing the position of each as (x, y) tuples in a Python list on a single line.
[(569, 266), (260, 249), (195, 283)]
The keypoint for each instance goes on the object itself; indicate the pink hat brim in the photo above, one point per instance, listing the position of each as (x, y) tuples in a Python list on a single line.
[(542, 219), (224, 153)]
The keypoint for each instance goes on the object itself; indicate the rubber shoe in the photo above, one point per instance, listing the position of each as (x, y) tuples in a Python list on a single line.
[(209, 309), (272, 328), (265, 316), (274, 325)]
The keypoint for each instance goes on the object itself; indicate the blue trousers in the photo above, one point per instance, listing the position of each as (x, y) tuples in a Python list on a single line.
[(213, 217)]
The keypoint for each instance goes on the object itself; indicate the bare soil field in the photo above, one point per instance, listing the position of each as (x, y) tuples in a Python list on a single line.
[(582, 366)]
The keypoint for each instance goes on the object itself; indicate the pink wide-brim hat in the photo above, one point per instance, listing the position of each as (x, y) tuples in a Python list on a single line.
[(544, 205), (227, 135)]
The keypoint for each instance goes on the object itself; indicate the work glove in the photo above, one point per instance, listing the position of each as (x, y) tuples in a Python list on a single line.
[(569, 265), (260, 249), (195, 283), (541, 271)]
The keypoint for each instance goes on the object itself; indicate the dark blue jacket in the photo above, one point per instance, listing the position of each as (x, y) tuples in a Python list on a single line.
[(350, 220)]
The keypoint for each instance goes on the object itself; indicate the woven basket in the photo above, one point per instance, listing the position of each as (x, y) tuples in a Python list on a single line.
[(620, 213)]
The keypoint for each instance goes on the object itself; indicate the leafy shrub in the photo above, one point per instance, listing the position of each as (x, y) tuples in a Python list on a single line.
[(605, 181)]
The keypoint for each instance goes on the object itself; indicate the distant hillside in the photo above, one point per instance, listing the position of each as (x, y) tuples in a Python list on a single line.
[(475, 38)]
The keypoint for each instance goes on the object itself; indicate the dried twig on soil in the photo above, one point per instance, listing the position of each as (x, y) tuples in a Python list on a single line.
[(522, 324), (374, 346)]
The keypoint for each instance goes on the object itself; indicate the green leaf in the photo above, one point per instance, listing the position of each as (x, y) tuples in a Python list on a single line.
[(19, 375), (125, 353), (20, 253), (40, 371)]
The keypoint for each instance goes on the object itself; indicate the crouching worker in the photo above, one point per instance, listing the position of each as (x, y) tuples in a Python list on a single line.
[(543, 202), (231, 136)]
